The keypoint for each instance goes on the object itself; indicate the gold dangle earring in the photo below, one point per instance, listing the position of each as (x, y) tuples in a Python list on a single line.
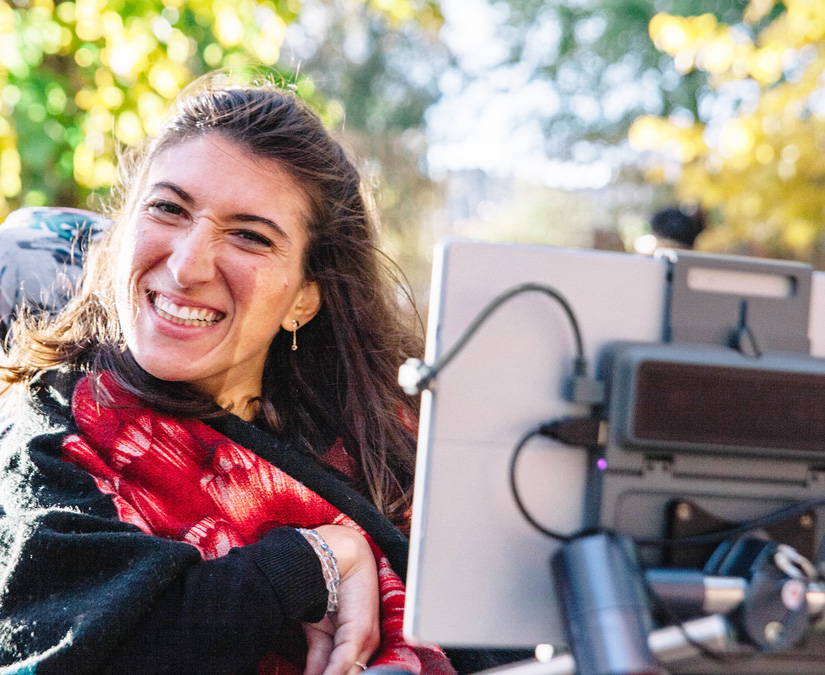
[(295, 326)]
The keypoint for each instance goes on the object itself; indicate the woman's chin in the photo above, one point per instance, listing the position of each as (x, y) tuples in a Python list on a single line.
[(162, 369)]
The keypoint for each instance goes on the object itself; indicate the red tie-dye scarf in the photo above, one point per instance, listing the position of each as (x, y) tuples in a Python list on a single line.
[(189, 483)]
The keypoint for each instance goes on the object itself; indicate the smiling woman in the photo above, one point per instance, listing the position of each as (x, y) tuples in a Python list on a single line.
[(209, 466), (213, 264)]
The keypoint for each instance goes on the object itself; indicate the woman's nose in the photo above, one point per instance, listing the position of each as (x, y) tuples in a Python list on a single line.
[(192, 259)]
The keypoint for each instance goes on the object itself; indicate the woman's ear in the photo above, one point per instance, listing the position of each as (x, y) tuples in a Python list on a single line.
[(306, 305)]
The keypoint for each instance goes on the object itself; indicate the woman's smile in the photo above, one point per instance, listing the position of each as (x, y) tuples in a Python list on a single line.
[(183, 314)]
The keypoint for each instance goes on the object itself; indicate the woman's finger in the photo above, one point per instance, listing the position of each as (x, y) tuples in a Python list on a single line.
[(352, 643), (320, 642)]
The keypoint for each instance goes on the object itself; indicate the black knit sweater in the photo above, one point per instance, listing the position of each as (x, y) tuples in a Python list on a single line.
[(82, 592)]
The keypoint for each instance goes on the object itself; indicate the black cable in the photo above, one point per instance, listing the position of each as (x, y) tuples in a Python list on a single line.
[(579, 368), (580, 364), (545, 429), (742, 528), (584, 431), (539, 430)]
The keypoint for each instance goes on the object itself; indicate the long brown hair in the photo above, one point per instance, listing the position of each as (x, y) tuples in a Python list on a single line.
[(341, 382)]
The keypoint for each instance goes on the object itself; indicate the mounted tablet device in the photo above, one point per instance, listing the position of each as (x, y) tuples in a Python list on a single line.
[(705, 410)]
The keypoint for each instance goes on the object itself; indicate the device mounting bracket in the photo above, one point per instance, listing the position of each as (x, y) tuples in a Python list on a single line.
[(711, 298)]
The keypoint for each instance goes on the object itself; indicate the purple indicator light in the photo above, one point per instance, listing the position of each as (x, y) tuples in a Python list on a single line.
[(601, 463)]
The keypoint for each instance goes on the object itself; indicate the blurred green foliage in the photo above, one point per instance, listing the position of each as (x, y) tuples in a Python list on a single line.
[(385, 74), (80, 78), (755, 158), (594, 52)]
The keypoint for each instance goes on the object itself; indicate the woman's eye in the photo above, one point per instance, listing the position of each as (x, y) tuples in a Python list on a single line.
[(250, 237), (163, 209)]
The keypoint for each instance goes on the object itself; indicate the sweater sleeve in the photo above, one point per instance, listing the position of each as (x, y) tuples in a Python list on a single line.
[(82, 592), (225, 613)]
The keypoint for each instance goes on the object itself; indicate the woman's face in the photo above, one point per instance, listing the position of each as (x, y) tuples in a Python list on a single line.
[(210, 267)]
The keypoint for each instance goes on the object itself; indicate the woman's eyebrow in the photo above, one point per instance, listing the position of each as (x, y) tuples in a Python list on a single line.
[(177, 189), (240, 217)]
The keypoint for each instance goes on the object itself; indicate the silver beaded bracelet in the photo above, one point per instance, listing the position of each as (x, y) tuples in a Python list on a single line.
[(329, 566)]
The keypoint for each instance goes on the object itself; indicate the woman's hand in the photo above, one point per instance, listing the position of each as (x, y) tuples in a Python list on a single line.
[(353, 632)]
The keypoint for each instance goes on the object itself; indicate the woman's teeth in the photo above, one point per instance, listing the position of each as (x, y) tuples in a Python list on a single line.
[(184, 316)]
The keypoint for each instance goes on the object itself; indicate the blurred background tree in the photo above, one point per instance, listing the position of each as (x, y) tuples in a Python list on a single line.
[(753, 153), (575, 75), (603, 66), (556, 121), (80, 78), (381, 70)]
